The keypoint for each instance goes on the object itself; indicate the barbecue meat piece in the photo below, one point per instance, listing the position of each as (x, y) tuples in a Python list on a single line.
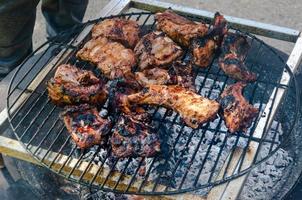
[(71, 85), (154, 76), (119, 30), (155, 49), (234, 50), (133, 138), (193, 108), (184, 73), (204, 48), (85, 125), (180, 29), (112, 58), (236, 111)]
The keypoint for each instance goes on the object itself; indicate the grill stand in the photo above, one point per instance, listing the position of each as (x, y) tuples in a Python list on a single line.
[(228, 190)]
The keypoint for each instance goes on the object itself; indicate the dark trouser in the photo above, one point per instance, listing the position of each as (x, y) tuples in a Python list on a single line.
[(17, 19)]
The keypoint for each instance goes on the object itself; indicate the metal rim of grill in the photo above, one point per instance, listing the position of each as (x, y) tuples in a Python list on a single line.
[(37, 125)]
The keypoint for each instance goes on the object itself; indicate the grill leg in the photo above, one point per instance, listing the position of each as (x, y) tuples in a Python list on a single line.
[(1, 162)]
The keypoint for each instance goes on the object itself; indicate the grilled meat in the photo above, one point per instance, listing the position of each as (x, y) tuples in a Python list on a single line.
[(203, 48), (193, 108), (85, 125), (236, 111), (184, 73), (133, 138), (71, 85), (119, 30), (231, 61), (155, 49), (180, 29), (112, 58), (154, 76)]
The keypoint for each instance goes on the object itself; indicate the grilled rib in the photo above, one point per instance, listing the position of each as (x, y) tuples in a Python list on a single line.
[(203, 48), (231, 61), (156, 50), (193, 108), (236, 111), (180, 29), (71, 85), (133, 138), (112, 58), (85, 125), (119, 30)]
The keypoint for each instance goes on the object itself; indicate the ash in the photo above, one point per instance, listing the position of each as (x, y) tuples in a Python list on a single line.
[(193, 157)]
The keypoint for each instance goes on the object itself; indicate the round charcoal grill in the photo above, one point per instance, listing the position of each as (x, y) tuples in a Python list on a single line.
[(190, 159)]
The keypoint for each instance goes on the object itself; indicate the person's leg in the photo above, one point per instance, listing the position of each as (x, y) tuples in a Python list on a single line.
[(17, 19), (63, 14)]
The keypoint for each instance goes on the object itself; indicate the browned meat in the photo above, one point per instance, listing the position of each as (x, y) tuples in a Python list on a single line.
[(236, 111), (85, 125), (119, 30), (71, 85), (179, 74), (203, 48), (234, 51), (133, 138), (155, 49), (184, 73), (193, 108), (180, 29), (154, 76), (112, 58)]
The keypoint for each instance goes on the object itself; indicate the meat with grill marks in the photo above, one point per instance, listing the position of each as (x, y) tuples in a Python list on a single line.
[(71, 85), (85, 125), (204, 48), (193, 108), (112, 58), (234, 50), (156, 50), (180, 29), (133, 138), (238, 114), (119, 30)]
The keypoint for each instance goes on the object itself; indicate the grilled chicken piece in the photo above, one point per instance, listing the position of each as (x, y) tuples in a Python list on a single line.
[(119, 30), (85, 125), (112, 58), (236, 111), (133, 138), (193, 108), (71, 85), (180, 29), (155, 49), (234, 51), (203, 48), (184, 73)]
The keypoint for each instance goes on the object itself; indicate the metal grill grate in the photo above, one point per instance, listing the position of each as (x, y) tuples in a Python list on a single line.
[(190, 159)]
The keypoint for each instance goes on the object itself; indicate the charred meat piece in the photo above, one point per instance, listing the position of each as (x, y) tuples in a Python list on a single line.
[(154, 76), (155, 50), (85, 125), (184, 73), (112, 58), (71, 85), (133, 138), (236, 111), (204, 48), (179, 74), (231, 61), (119, 30), (193, 108), (180, 29)]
